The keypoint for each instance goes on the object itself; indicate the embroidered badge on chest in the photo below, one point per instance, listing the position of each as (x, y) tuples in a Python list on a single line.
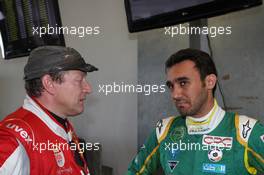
[(214, 168), (215, 155), (217, 141), (59, 157), (177, 134), (172, 164)]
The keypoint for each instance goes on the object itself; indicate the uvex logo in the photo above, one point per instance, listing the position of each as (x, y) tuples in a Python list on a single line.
[(217, 141), (19, 130)]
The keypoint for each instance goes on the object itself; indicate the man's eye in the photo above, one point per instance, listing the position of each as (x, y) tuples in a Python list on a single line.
[(183, 83), (169, 85)]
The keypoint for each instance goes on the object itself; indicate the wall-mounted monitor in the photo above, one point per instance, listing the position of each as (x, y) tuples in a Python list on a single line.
[(27, 24), (150, 14)]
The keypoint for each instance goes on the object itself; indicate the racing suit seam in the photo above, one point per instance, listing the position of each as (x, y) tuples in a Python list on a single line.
[(147, 159)]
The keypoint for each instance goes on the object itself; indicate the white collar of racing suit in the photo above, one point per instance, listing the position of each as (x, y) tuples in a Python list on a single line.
[(207, 123), (32, 106)]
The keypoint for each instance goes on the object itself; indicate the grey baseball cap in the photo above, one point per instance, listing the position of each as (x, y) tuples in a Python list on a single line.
[(48, 59)]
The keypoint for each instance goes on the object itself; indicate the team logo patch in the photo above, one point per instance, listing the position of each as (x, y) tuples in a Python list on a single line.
[(214, 168), (177, 134), (246, 129), (59, 157), (196, 129), (215, 155), (262, 138), (172, 164), (160, 125), (20, 131), (217, 141)]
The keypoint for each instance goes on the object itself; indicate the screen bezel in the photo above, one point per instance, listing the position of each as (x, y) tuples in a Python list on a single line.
[(206, 10), (22, 47)]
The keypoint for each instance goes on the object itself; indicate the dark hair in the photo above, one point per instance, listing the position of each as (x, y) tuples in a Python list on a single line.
[(34, 87), (203, 62)]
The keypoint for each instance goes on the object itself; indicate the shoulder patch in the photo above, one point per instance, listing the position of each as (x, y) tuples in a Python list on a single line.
[(20, 129), (245, 126), (162, 127), (262, 138)]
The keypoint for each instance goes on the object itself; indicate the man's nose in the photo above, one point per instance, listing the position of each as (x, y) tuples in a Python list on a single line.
[(176, 92), (87, 88)]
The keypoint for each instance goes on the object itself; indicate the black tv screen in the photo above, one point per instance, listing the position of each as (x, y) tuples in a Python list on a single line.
[(150, 14), (27, 24)]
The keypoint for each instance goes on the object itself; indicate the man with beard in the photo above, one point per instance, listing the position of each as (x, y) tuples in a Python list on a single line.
[(204, 139)]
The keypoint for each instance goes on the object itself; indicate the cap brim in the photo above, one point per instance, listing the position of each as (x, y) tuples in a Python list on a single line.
[(83, 67), (87, 68)]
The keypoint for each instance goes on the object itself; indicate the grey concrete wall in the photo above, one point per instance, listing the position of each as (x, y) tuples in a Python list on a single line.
[(153, 49), (110, 120), (239, 60), (12, 90)]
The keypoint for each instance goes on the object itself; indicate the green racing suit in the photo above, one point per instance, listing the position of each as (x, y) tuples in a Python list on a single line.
[(224, 143)]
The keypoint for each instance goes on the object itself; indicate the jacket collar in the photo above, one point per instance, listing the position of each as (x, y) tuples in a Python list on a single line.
[(207, 123), (32, 105)]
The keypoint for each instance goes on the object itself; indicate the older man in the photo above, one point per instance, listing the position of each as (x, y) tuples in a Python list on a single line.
[(37, 139)]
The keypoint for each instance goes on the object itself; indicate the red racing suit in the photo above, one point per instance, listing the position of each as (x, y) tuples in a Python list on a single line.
[(33, 142)]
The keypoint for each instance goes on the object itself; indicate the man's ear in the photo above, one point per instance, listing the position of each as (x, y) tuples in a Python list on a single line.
[(48, 84), (210, 81)]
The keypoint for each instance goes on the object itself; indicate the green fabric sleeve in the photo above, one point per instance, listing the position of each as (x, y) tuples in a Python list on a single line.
[(256, 143), (147, 160)]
